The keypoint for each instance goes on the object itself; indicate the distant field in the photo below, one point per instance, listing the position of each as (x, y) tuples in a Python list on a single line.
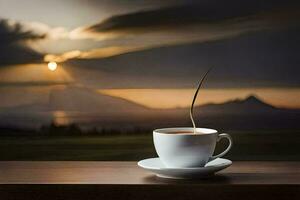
[(260, 145)]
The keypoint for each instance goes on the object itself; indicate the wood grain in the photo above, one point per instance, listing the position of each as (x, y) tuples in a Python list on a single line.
[(110, 180), (36, 172)]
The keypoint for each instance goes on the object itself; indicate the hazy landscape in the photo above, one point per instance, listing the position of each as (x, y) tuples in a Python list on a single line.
[(90, 80), (259, 131), (89, 109)]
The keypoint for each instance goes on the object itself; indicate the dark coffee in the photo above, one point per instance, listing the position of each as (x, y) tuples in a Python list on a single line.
[(182, 132)]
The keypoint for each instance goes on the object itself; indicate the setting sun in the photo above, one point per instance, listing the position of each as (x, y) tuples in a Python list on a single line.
[(52, 66)]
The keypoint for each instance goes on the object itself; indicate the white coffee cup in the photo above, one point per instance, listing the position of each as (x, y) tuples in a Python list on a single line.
[(182, 148)]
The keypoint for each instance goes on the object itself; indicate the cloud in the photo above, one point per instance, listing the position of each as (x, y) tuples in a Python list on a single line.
[(177, 25), (193, 22), (262, 59), (12, 31), (23, 42), (53, 33), (13, 47), (104, 52)]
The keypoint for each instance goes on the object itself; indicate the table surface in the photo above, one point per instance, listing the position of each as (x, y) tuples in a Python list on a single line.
[(128, 173)]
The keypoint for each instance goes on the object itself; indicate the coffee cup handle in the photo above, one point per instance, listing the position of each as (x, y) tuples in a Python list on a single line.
[(221, 136)]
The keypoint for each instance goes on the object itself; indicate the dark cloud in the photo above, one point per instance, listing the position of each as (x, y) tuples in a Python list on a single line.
[(251, 43), (262, 59), (204, 12), (13, 48)]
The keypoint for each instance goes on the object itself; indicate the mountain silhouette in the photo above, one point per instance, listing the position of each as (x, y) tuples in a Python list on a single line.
[(250, 113), (89, 101), (81, 104), (251, 105)]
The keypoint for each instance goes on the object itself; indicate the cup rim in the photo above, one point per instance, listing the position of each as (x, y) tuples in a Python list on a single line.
[(190, 130)]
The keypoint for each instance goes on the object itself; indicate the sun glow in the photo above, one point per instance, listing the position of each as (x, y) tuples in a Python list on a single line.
[(52, 66)]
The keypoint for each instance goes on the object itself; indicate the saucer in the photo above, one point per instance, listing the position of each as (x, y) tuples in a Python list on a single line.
[(155, 165)]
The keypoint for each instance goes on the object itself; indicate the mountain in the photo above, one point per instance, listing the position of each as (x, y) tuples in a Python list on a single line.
[(73, 105), (89, 101), (90, 108), (82, 100), (249, 105), (250, 113)]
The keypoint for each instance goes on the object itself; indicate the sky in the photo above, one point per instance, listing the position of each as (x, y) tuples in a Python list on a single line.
[(152, 53)]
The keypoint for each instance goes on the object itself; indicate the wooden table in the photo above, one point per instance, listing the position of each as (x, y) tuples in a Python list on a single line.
[(124, 180)]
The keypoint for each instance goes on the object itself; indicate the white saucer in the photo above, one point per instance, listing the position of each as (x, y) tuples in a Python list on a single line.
[(155, 165)]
